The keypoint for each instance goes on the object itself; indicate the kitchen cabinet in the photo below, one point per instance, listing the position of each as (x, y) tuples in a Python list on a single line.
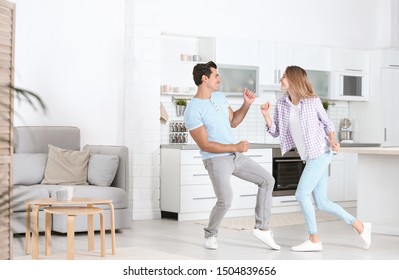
[(273, 60), (236, 51), (390, 58), (378, 190), (383, 101), (349, 60), (186, 189), (177, 63), (312, 57), (390, 102), (342, 185)]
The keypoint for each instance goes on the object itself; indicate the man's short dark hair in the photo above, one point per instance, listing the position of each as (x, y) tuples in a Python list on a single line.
[(202, 69)]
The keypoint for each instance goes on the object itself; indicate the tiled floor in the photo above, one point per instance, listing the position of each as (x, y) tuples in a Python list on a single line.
[(170, 239)]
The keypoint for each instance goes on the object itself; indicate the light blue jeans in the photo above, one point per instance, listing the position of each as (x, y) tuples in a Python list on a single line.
[(314, 181)]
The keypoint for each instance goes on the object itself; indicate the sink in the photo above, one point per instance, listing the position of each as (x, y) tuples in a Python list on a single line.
[(343, 145)]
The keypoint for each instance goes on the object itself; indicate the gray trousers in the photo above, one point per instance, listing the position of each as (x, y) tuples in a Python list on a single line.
[(220, 170)]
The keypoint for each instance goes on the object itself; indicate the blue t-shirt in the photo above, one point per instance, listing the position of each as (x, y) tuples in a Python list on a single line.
[(212, 113)]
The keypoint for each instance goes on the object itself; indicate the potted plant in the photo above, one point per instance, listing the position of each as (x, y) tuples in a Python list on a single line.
[(180, 106), (325, 104)]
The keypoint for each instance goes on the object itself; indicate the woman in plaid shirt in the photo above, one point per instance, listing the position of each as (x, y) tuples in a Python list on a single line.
[(301, 122)]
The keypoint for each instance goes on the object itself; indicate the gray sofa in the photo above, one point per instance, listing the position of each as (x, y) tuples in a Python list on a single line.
[(31, 146)]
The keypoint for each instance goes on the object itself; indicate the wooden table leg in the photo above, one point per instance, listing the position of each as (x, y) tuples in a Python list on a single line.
[(112, 218), (90, 231), (27, 229), (35, 231), (102, 230), (48, 234), (70, 237)]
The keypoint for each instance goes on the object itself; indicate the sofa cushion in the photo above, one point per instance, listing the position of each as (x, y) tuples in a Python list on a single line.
[(28, 169), (102, 169), (21, 194), (66, 166)]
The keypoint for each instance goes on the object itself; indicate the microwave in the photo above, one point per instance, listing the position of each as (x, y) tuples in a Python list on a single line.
[(351, 86)]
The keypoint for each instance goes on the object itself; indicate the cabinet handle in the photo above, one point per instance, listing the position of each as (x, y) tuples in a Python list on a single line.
[(254, 155), (393, 65), (275, 76), (357, 70), (247, 195), (197, 157), (288, 201), (385, 134), (202, 198), (288, 160), (200, 175)]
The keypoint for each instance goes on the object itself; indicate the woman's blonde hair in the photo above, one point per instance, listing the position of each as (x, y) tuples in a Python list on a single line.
[(299, 81)]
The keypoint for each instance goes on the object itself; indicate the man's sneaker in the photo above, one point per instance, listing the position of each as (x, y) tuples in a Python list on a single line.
[(211, 243), (308, 246), (266, 237)]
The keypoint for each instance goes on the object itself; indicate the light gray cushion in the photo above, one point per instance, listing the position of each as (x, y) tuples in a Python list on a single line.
[(102, 169), (28, 169), (21, 194), (66, 167)]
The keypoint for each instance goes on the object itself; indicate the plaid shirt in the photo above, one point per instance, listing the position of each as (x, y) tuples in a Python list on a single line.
[(314, 122)]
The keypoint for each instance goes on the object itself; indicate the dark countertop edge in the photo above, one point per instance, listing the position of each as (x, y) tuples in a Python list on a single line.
[(195, 147)]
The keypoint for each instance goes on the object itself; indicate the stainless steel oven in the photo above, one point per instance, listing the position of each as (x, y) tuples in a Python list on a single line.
[(287, 171)]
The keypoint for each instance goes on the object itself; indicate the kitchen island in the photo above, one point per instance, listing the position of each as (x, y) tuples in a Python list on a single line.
[(378, 187)]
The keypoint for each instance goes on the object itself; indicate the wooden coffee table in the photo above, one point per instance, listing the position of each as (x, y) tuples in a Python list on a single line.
[(33, 207), (71, 212)]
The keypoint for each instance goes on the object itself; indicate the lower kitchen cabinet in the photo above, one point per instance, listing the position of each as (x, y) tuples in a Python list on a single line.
[(342, 183), (186, 189)]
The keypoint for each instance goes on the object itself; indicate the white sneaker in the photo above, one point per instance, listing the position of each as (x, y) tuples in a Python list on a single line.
[(366, 235), (211, 243), (308, 246), (267, 237)]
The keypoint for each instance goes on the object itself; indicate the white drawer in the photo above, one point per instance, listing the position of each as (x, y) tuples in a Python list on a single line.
[(260, 155), (199, 198), (191, 157), (285, 200), (194, 175), (197, 175), (245, 197)]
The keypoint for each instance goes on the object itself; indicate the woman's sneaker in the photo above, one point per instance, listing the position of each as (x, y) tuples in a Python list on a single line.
[(211, 243), (366, 235), (308, 246)]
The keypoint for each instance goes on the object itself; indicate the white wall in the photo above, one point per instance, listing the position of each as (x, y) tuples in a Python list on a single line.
[(71, 53), (342, 23)]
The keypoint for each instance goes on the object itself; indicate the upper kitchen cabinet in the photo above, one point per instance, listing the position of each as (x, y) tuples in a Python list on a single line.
[(179, 54), (312, 57), (390, 58), (390, 104), (390, 96), (349, 60), (273, 59), (236, 51)]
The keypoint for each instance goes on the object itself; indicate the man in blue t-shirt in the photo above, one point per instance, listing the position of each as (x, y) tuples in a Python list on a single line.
[(209, 119)]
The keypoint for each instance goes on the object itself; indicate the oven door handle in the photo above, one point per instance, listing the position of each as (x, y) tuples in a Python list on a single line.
[(288, 160)]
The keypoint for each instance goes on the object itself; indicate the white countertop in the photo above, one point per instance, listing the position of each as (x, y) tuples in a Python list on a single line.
[(371, 150)]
